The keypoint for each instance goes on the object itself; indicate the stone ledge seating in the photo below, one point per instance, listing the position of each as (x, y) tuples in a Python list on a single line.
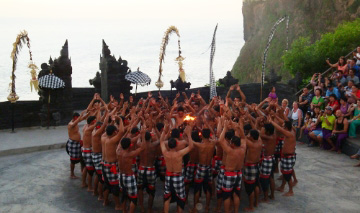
[(349, 147)]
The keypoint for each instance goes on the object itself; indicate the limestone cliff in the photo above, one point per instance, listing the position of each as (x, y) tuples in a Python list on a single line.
[(307, 18)]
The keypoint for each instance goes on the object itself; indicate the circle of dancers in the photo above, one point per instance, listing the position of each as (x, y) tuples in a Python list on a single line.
[(216, 148)]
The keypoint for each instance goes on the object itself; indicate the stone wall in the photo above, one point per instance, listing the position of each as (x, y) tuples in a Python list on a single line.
[(27, 112)]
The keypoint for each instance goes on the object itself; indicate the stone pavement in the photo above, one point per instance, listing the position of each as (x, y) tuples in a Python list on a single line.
[(39, 182), (32, 139)]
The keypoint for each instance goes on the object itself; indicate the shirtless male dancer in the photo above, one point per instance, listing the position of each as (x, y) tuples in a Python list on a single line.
[(203, 174), (235, 153), (267, 166), (97, 154), (288, 156), (251, 171), (73, 145), (192, 163), (147, 174), (174, 180), (109, 142), (125, 156), (229, 134), (86, 153)]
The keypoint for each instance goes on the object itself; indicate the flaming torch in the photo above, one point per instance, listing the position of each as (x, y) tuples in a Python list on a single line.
[(189, 118)]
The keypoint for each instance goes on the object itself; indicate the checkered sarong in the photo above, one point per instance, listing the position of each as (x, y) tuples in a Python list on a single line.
[(110, 173), (73, 149), (96, 159), (174, 182), (266, 166), (279, 145), (128, 185), (203, 172), (146, 177), (86, 154), (219, 181), (161, 165), (232, 181), (190, 171), (251, 173), (134, 167), (287, 163), (217, 162)]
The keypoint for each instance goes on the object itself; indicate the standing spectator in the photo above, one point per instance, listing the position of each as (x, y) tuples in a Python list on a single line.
[(340, 65), (355, 121), (317, 100), (305, 100), (327, 125), (340, 130), (352, 76)]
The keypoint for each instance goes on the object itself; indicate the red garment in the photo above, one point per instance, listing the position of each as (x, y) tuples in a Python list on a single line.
[(335, 105)]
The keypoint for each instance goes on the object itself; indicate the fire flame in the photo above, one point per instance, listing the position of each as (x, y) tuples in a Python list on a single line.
[(189, 118)]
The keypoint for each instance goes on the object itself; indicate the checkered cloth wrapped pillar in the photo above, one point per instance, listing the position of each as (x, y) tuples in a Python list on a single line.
[(212, 78)]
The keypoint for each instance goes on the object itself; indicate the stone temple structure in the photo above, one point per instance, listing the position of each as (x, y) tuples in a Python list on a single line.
[(112, 77), (57, 104)]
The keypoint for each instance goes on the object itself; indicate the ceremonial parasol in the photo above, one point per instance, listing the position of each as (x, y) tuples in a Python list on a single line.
[(50, 82), (138, 77)]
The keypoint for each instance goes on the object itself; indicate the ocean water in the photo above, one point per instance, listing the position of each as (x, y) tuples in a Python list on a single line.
[(137, 42)]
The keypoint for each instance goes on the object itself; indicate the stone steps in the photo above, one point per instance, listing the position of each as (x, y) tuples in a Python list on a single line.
[(349, 147)]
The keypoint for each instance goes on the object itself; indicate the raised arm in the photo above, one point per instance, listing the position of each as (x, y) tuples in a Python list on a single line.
[(191, 142), (120, 133), (162, 138), (280, 129), (222, 141), (242, 95)]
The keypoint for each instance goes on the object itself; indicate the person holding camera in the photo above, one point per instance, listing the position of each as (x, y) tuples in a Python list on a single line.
[(340, 65), (305, 100)]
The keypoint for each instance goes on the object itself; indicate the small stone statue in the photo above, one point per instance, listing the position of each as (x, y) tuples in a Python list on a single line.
[(272, 78), (180, 85), (96, 82), (228, 80), (296, 81)]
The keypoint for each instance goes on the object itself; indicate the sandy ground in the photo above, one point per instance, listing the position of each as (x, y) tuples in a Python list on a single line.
[(39, 182)]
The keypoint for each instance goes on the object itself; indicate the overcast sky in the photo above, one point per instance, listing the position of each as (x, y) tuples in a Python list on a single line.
[(147, 10)]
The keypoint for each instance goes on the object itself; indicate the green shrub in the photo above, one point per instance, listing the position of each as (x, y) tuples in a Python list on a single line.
[(308, 58)]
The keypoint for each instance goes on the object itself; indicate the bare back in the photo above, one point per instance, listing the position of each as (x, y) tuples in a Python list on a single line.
[(269, 145), (125, 162), (87, 136), (148, 155), (235, 159), (289, 143), (110, 150), (206, 151), (173, 161), (253, 152), (96, 141)]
